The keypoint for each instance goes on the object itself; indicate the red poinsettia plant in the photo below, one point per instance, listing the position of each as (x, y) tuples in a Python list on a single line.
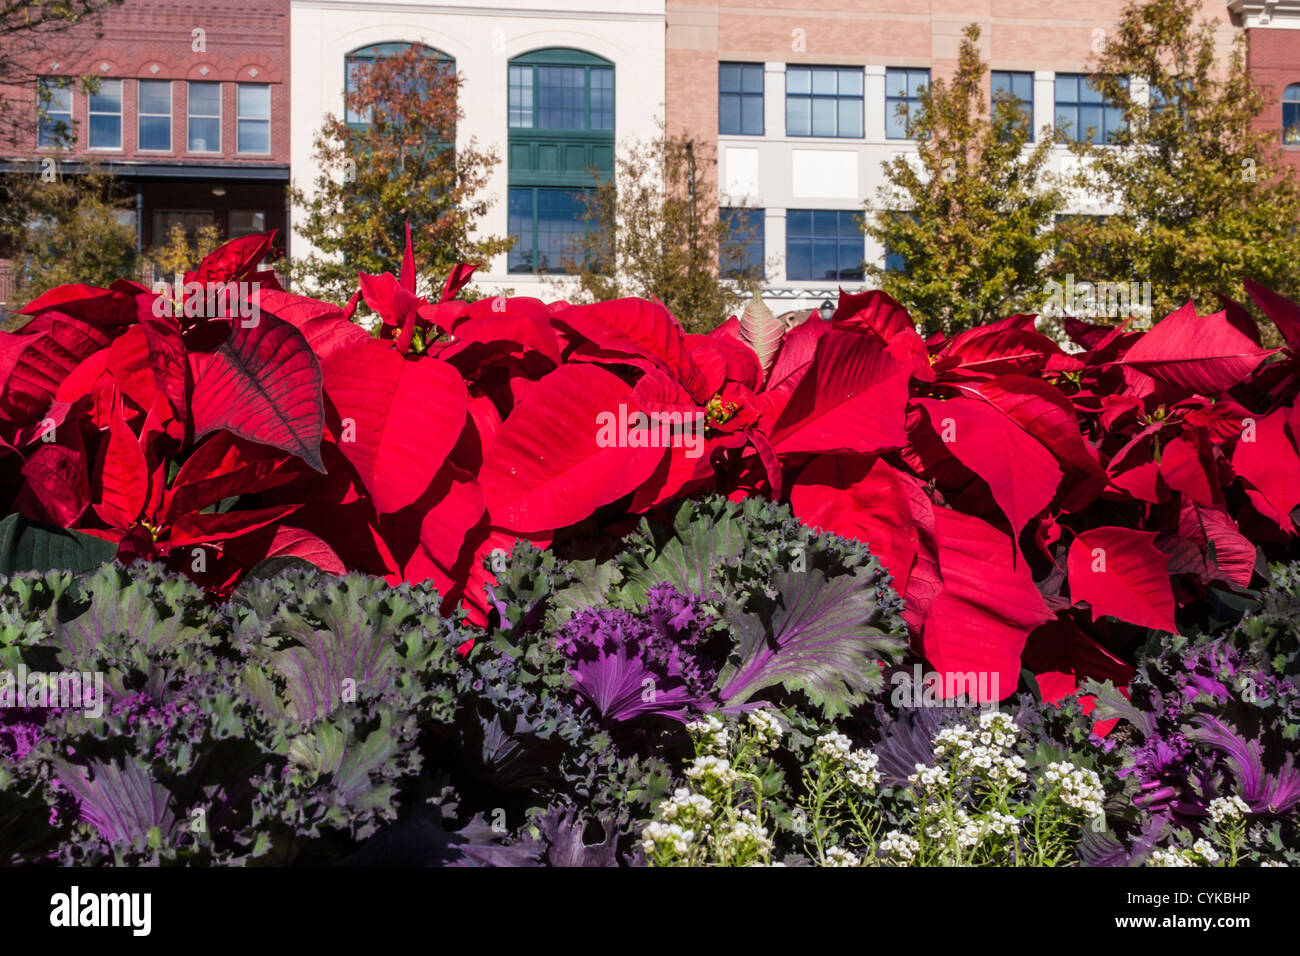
[(1036, 507)]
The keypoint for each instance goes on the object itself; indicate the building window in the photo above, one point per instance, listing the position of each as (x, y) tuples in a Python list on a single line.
[(1019, 89), (903, 91), (740, 99), (204, 118), (823, 101), (1080, 105), (356, 63), (155, 114), (823, 244), (550, 228), (106, 116), (254, 118), (560, 106), (190, 221), (54, 106), (246, 222), (561, 97), (741, 253), (1291, 115)]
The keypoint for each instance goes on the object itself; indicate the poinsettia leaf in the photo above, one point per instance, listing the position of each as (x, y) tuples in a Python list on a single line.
[(762, 332), (400, 418), (1120, 572), (27, 545), (558, 456), (1200, 354), (850, 401), (263, 384)]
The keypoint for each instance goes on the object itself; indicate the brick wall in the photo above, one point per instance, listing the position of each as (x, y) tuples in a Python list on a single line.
[(241, 42), (1274, 59)]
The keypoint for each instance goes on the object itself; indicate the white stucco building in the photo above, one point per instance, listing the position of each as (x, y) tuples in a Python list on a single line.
[(551, 87)]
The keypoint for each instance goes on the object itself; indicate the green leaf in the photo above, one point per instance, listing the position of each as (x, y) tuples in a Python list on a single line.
[(30, 546)]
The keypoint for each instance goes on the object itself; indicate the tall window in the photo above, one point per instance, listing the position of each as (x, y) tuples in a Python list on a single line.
[(1019, 89), (741, 254), (823, 101), (560, 107), (740, 99), (204, 113), (155, 114), (54, 105), (254, 118), (356, 63), (1080, 104), (1291, 115), (903, 90), (823, 244), (106, 116)]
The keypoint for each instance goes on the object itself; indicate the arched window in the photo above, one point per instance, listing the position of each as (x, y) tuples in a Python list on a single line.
[(1291, 115), (358, 61), (561, 120)]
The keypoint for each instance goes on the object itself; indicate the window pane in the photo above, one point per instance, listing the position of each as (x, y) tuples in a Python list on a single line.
[(60, 97), (823, 259), (823, 81), (895, 125), (105, 131), (895, 83), (254, 101), (1088, 93), (244, 222), (155, 96), (799, 222), (824, 222), (728, 77), (561, 92), (798, 259), (752, 77), (798, 116), (1067, 88), (917, 81), (751, 116), (559, 228), (109, 97), (850, 251), (520, 225), (823, 116), (729, 113), (850, 117), (254, 136), (205, 99), (797, 80), (205, 135), (155, 132), (851, 81), (1090, 118)]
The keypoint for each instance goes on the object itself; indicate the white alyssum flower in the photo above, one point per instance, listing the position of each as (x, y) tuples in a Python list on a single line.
[(838, 856), (1163, 857), (671, 835), (899, 846), (834, 747), (712, 769), (1205, 850), (1001, 824), (745, 834), (1077, 787), (928, 778), (959, 828), (684, 805), (1274, 863), (711, 733), (766, 728), (860, 768), (1227, 809)]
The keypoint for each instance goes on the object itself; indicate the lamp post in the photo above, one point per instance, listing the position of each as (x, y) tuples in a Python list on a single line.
[(826, 310)]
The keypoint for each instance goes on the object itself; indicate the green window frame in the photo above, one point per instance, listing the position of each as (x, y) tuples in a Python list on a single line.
[(560, 108)]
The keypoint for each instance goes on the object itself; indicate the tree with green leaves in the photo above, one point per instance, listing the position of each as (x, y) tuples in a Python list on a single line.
[(652, 231), (63, 227), (970, 217), (1202, 197), (400, 161)]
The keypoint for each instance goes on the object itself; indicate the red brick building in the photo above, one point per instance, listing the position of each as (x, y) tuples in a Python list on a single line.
[(191, 113), (1273, 57)]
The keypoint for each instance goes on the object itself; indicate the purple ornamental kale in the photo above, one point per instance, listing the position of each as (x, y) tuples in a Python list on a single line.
[(629, 665)]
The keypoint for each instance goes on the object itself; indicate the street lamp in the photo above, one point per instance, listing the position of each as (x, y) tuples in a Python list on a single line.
[(826, 310)]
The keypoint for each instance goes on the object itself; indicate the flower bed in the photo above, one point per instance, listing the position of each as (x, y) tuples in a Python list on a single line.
[(1033, 520)]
